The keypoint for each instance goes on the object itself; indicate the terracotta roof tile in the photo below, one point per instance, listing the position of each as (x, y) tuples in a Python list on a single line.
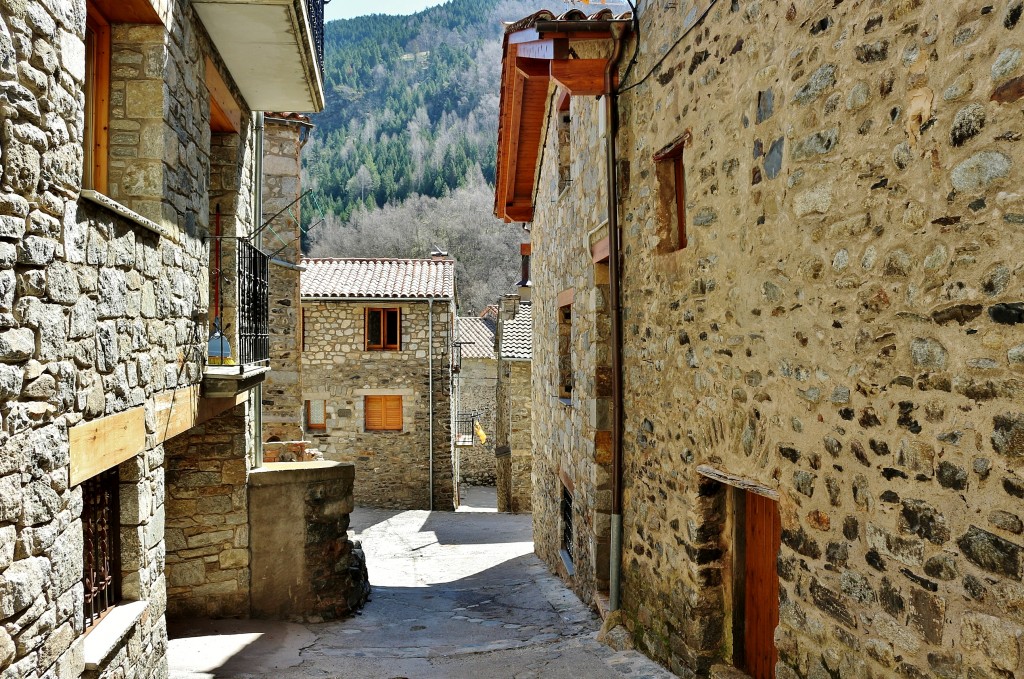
[(517, 334), (477, 336), (378, 278)]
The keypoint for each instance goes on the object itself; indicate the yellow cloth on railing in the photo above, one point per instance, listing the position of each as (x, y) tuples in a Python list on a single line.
[(479, 431)]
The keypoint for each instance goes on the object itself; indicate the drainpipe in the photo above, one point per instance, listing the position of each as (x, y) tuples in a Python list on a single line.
[(430, 395), (611, 110), (258, 210)]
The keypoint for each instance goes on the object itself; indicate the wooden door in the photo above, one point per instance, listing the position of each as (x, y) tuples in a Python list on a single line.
[(763, 536)]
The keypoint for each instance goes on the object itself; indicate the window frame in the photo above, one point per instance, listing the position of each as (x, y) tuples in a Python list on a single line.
[(95, 141), (673, 157), (310, 425), (384, 400), (382, 344)]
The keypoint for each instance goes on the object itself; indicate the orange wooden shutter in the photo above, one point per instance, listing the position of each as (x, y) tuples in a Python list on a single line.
[(393, 412), (374, 412)]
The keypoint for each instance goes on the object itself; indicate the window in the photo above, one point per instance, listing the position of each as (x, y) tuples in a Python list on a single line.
[(672, 181), (565, 352), (567, 543), (101, 520), (383, 329), (97, 100), (564, 151), (756, 598), (383, 413), (316, 415)]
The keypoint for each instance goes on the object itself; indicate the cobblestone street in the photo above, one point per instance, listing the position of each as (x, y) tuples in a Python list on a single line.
[(454, 595)]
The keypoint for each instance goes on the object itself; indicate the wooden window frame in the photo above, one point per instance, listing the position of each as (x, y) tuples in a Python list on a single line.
[(564, 335), (381, 344), (310, 425), (383, 424), (672, 155), (97, 101)]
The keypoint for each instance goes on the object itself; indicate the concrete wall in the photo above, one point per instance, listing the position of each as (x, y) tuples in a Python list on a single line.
[(303, 564), (513, 442), (477, 382), (840, 329), (282, 390), (392, 468)]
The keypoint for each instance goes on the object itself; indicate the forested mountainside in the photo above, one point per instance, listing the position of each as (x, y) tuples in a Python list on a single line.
[(412, 103), (412, 115)]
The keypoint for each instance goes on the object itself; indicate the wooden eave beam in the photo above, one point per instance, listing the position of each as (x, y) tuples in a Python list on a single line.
[(518, 213), (533, 68), (581, 77)]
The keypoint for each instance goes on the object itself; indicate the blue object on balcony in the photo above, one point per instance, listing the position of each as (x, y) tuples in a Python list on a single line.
[(218, 346)]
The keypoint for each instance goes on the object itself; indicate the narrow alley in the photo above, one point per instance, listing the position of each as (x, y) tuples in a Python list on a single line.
[(454, 595)]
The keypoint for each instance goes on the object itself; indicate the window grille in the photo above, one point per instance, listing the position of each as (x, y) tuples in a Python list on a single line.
[(567, 543), (102, 545)]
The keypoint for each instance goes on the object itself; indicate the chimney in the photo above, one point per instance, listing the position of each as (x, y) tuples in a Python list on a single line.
[(524, 283)]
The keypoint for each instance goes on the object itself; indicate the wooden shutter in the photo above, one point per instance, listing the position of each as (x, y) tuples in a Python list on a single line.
[(393, 412), (383, 413), (763, 535)]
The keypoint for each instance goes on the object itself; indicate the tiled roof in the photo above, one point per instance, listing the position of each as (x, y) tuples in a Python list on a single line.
[(289, 115), (490, 312), (517, 334), (572, 15), (378, 278), (477, 336)]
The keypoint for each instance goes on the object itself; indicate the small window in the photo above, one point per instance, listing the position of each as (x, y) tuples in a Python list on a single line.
[(97, 100), (672, 181), (565, 381), (316, 415), (101, 519), (564, 144), (383, 329), (567, 541), (383, 413)]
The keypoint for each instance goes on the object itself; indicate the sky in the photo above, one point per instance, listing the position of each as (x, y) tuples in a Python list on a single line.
[(346, 9)]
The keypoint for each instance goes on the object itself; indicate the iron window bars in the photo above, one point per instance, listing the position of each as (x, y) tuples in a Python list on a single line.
[(253, 304), (465, 429), (101, 516)]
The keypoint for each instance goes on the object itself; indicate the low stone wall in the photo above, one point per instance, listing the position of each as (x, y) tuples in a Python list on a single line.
[(208, 518), (303, 564)]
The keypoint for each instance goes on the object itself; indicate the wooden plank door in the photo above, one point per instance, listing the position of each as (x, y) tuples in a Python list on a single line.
[(763, 536)]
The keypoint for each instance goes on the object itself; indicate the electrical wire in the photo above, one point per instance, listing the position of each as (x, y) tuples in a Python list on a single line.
[(669, 51)]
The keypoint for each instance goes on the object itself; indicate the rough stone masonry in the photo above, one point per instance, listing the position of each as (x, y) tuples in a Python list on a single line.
[(844, 327)]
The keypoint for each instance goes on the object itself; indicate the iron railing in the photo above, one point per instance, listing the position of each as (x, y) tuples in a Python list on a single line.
[(253, 304), (315, 12), (102, 546), (464, 430)]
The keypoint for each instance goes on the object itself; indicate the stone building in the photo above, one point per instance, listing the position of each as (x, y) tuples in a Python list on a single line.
[(129, 143), (513, 342), (778, 270), (377, 375), (475, 384)]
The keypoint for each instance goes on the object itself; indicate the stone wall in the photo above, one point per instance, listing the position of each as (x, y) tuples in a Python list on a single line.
[(513, 438), (99, 314), (392, 467), (208, 573), (307, 568), (476, 384), (282, 390), (841, 328)]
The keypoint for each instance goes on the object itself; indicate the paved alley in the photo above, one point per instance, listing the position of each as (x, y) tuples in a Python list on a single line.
[(454, 595)]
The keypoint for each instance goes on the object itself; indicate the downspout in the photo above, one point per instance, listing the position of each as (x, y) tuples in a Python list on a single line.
[(257, 223), (611, 109), (430, 395)]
